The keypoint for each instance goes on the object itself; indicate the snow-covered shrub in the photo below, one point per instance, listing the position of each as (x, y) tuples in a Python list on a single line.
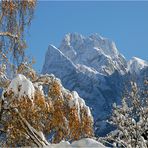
[(131, 120), (20, 87), (59, 114)]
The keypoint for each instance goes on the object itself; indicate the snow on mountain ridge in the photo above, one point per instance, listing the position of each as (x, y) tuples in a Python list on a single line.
[(78, 41), (94, 68), (60, 62), (84, 69), (135, 65), (93, 51)]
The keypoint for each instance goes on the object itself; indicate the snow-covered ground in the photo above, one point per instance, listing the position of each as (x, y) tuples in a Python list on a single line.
[(83, 143)]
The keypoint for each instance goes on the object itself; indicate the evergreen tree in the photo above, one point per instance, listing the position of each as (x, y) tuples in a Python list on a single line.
[(130, 119)]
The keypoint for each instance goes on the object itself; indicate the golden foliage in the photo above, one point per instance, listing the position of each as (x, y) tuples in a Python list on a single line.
[(15, 17), (27, 71), (55, 90), (47, 114)]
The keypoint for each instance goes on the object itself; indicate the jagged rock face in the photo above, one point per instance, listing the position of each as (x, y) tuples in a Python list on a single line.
[(96, 52), (136, 65), (94, 68), (138, 71)]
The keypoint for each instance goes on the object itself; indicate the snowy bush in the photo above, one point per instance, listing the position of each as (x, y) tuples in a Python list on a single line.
[(131, 119), (27, 110), (21, 87)]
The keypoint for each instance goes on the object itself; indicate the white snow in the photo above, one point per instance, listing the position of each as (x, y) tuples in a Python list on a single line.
[(93, 52), (21, 87), (87, 142), (86, 64), (85, 69), (39, 87), (62, 144), (83, 143), (3, 80), (74, 102), (136, 64), (43, 137), (79, 103)]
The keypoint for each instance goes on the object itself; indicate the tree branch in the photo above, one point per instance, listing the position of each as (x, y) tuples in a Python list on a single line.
[(8, 34), (1, 17), (31, 132)]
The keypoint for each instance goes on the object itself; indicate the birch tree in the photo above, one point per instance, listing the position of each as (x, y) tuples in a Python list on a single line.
[(15, 18)]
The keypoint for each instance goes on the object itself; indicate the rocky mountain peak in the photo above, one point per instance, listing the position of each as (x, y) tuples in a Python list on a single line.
[(93, 51), (135, 65), (92, 66)]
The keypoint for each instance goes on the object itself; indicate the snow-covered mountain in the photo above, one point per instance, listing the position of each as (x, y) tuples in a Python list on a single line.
[(94, 68), (95, 52), (135, 65)]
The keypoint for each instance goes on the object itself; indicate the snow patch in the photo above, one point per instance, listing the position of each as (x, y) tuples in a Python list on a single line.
[(21, 87), (136, 65), (87, 142), (83, 143), (79, 103), (62, 144)]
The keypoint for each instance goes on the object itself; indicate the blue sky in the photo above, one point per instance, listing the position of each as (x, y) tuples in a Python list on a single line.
[(126, 23)]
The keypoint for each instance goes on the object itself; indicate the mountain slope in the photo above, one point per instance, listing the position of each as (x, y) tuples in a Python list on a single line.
[(94, 68), (135, 65), (94, 51)]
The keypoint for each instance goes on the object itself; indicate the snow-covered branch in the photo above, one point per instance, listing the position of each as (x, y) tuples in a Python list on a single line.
[(4, 81), (32, 110), (9, 34), (130, 118), (31, 132)]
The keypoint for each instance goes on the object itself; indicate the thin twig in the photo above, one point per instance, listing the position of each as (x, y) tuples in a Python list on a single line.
[(8, 34)]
